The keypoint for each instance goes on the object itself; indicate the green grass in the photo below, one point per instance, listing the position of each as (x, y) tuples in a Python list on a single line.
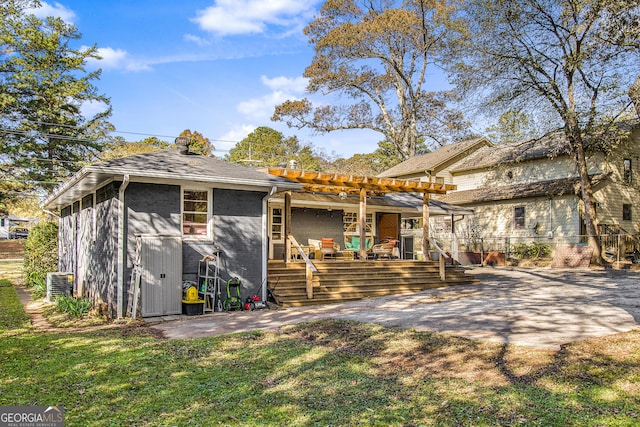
[(323, 373)]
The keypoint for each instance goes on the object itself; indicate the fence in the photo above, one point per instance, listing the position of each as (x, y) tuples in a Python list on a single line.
[(615, 247)]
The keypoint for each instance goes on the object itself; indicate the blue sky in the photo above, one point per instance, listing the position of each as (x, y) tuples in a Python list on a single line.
[(215, 66)]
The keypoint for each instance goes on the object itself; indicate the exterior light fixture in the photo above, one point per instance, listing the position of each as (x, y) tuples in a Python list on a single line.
[(342, 195)]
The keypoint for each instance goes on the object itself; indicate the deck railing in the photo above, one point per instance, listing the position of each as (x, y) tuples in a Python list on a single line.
[(310, 267)]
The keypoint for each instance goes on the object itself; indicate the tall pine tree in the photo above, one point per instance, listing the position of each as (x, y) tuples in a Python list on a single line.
[(43, 86)]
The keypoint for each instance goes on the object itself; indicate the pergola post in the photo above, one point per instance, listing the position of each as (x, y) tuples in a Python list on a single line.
[(287, 226), (363, 224), (425, 227), (454, 239)]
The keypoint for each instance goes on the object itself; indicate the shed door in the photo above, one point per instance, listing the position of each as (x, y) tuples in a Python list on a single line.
[(161, 276)]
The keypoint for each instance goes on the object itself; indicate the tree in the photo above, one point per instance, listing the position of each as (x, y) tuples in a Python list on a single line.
[(512, 126), (634, 94), (43, 85), (267, 147), (119, 148), (558, 58), (198, 144), (379, 56)]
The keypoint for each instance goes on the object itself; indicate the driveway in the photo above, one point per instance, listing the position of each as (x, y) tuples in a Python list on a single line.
[(537, 307)]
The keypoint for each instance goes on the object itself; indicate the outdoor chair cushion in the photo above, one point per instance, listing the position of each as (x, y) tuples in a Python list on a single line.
[(314, 243), (354, 244), (327, 243)]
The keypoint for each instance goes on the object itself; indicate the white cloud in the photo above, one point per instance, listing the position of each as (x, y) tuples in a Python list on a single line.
[(286, 84), (231, 17), (55, 9), (282, 89), (262, 108), (117, 59), (197, 40), (233, 136)]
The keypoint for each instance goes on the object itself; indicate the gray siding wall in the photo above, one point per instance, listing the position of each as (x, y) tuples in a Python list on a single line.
[(92, 258), (152, 209), (155, 210), (103, 261), (237, 225)]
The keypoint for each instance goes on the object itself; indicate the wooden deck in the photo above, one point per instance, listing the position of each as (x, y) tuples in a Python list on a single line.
[(340, 281)]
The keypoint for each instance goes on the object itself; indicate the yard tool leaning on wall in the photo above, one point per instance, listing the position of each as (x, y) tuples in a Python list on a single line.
[(209, 284)]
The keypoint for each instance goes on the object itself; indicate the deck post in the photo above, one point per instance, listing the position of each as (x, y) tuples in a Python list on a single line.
[(425, 227), (363, 224), (287, 227), (309, 279)]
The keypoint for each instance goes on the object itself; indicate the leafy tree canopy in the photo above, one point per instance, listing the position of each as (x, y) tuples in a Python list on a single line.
[(198, 143), (378, 56), (119, 148), (267, 147), (43, 85), (512, 126)]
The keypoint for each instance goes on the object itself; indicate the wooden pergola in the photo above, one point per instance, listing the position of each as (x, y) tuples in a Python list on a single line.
[(343, 184)]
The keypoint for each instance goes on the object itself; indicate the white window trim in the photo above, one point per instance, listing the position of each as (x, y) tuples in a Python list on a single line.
[(209, 235), (271, 224)]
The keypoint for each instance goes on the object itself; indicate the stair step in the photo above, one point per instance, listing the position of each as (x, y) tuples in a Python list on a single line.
[(339, 280)]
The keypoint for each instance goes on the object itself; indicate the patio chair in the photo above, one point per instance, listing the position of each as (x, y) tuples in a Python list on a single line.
[(386, 249), (328, 247), (354, 244)]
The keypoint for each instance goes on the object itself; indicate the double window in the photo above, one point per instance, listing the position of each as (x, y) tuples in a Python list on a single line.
[(195, 213)]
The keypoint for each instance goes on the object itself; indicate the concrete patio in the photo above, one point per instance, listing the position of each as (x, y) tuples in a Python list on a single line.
[(538, 307)]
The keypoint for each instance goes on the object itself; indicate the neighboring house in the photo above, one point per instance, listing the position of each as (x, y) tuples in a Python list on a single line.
[(529, 191), (163, 211), (15, 227)]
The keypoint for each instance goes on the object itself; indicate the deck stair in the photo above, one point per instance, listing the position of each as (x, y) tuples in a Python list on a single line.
[(340, 281)]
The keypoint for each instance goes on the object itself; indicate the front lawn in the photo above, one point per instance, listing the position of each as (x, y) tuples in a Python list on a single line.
[(322, 373)]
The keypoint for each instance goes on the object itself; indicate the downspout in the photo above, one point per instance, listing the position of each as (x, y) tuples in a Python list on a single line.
[(122, 220), (265, 240)]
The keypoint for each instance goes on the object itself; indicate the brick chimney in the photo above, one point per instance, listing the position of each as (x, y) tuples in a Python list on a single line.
[(182, 145)]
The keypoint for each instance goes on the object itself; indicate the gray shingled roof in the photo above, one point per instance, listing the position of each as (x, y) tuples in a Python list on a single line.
[(557, 187), (170, 164), (162, 166), (430, 161), (546, 147)]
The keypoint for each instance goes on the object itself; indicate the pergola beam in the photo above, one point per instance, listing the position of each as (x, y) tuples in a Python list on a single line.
[(335, 183)]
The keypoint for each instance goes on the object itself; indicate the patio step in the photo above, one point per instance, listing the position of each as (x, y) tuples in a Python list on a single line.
[(340, 281)]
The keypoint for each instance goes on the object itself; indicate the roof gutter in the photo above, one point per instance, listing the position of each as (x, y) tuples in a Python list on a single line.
[(122, 219), (65, 186)]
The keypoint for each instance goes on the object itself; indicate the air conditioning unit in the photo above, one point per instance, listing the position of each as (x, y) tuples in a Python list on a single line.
[(59, 284)]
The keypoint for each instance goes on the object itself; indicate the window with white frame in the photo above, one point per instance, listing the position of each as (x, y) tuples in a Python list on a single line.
[(277, 225), (195, 213), (350, 218)]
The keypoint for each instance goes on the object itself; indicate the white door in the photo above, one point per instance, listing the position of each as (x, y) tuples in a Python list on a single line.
[(161, 275)]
